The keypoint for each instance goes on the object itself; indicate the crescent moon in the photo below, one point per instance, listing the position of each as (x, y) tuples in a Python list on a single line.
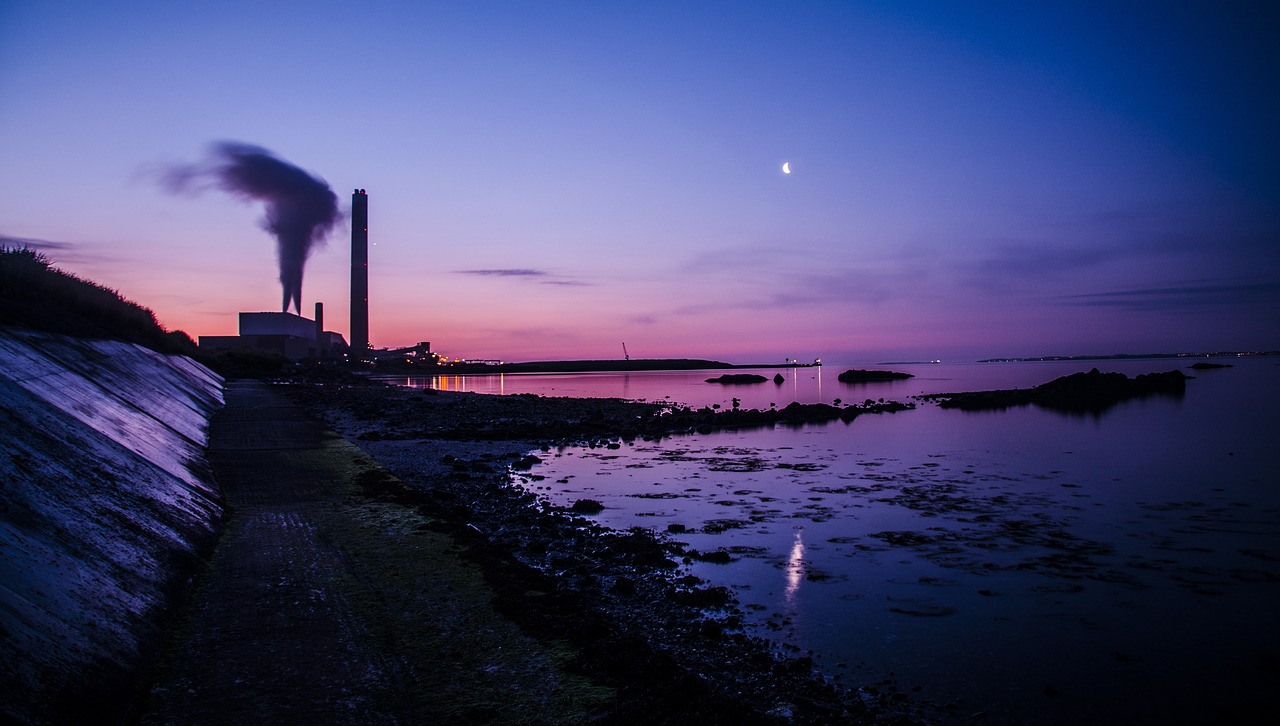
[(786, 168)]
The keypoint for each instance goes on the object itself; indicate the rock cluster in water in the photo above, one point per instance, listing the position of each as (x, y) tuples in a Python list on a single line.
[(587, 421), (1092, 391), (859, 375), (735, 379), (706, 420)]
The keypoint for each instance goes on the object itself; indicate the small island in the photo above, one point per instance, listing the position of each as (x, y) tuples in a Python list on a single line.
[(858, 375), (735, 379), (1083, 392)]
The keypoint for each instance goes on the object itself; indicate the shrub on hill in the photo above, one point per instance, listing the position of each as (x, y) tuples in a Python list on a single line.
[(37, 295)]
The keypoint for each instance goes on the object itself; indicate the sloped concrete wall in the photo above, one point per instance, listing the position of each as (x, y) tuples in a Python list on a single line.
[(106, 506)]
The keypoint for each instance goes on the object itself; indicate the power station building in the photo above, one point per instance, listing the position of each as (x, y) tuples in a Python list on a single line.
[(292, 336), (296, 337)]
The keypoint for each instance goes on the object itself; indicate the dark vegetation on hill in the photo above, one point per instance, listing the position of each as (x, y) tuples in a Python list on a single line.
[(35, 294)]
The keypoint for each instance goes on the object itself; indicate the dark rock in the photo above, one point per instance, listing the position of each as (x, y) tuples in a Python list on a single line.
[(1083, 392), (710, 629), (1093, 389), (738, 379), (587, 506), (1203, 366), (719, 557), (525, 463), (858, 375), (778, 379), (703, 597), (801, 664)]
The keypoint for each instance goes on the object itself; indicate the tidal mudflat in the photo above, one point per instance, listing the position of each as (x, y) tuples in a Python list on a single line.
[(1025, 565)]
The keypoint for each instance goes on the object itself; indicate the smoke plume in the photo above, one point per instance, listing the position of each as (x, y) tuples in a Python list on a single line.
[(300, 209)]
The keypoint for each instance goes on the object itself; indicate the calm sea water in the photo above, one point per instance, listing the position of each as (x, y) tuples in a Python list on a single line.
[(1024, 564)]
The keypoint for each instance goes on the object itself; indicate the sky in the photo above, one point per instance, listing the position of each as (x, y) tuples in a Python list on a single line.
[(550, 180)]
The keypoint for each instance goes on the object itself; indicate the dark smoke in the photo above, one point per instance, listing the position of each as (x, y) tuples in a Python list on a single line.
[(300, 208)]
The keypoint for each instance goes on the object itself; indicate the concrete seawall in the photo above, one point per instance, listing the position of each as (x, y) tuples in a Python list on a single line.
[(107, 505)]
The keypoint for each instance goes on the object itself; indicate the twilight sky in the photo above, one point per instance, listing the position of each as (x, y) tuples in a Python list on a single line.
[(551, 179)]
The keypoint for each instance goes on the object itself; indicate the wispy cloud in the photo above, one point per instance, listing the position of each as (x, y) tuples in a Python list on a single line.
[(1035, 261), (542, 277), (520, 272), (70, 253), (33, 243), (1191, 295)]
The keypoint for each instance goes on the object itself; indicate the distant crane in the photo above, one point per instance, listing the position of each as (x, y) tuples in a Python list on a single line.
[(625, 355)]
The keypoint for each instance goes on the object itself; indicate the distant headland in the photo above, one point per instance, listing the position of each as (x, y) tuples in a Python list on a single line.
[(611, 366), (1134, 356)]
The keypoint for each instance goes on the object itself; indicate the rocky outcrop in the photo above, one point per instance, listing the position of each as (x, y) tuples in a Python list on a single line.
[(735, 379), (107, 508), (858, 375), (405, 414), (1084, 392)]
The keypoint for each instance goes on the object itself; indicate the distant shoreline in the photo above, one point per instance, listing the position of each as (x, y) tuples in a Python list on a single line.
[(601, 366), (698, 364), (1133, 356)]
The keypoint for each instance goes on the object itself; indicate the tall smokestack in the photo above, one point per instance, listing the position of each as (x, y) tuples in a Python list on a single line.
[(359, 274), (320, 329)]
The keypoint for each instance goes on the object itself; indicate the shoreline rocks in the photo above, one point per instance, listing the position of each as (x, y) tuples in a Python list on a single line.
[(625, 583), (567, 421)]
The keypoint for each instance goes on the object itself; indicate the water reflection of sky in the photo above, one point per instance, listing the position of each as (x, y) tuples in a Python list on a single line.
[(996, 556)]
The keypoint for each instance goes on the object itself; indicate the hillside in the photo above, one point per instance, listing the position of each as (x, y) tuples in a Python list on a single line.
[(35, 294)]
